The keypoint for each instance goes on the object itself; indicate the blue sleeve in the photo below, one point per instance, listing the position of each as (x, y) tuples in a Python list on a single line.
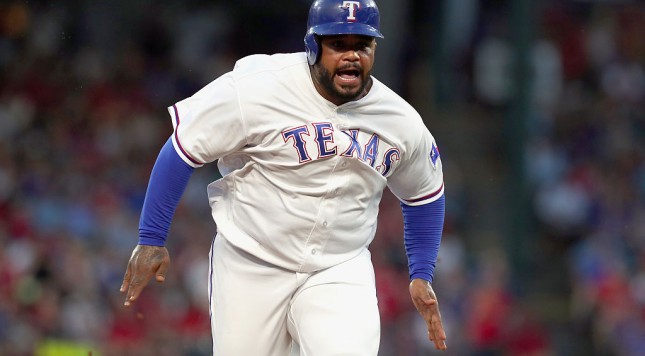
[(168, 180), (423, 225)]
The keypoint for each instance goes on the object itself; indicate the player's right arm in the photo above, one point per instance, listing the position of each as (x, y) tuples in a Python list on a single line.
[(207, 126), (150, 257)]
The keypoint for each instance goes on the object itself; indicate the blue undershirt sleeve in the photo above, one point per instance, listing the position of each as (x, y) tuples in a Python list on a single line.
[(168, 180), (422, 226)]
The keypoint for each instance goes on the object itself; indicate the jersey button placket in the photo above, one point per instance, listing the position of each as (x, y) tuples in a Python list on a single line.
[(323, 224)]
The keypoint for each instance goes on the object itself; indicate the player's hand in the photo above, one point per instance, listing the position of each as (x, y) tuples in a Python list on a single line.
[(145, 262), (426, 303)]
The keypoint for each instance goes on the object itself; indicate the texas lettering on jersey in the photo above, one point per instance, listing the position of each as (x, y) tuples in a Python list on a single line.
[(324, 139)]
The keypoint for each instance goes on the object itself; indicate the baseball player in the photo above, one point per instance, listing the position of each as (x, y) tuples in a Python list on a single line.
[(306, 144)]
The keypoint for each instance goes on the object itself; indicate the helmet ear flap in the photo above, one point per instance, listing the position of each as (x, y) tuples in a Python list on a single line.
[(312, 48)]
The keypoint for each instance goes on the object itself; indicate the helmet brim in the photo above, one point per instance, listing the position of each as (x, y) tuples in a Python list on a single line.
[(344, 28)]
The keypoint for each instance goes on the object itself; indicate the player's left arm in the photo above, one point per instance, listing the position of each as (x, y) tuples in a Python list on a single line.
[(423, 226), (418, 183)]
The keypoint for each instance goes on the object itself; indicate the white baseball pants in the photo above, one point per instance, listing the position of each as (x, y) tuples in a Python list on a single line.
[(258, 309)]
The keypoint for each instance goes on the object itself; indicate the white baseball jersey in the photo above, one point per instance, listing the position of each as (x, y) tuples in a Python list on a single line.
[(302, 177)]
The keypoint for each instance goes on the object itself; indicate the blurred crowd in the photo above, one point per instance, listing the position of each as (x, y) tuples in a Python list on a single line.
[(587, 167), (84, 88)]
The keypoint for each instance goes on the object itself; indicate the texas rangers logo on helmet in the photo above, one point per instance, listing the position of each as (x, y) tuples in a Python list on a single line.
[(336, 17), (353, 6)]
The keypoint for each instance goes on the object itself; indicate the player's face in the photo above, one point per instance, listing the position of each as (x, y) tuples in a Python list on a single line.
[(343, 72)]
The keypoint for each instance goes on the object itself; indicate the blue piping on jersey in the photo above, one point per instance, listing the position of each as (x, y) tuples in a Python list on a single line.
[(177, 138), (425, 197)]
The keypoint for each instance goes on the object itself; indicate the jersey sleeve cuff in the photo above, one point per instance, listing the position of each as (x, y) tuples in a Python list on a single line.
[(425, 199), (176, 143)]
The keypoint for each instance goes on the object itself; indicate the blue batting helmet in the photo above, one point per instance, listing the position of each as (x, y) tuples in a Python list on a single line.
[(338, 17)]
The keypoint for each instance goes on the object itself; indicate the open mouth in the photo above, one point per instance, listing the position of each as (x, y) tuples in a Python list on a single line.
[(348, 75)]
